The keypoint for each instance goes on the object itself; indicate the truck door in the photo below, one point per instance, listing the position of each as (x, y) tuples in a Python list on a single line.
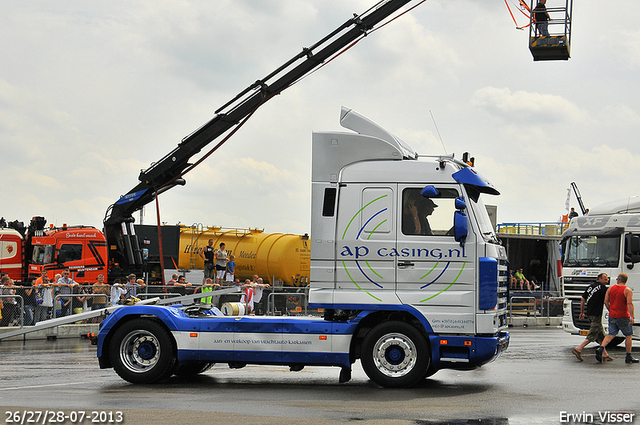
[(365, 242), (434, 273)]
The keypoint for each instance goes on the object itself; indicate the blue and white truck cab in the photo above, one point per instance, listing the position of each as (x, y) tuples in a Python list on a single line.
[(404, 262)]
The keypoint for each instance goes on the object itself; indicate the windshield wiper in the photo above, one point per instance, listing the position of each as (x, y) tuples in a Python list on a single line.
[(491, 236)]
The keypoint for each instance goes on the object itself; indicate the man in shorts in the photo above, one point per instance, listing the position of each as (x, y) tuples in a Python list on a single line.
[(619, 302), (593, 299), (221, 264)]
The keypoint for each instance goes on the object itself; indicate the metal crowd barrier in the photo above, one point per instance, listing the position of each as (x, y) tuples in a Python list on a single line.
[(532, 304), (60, 296)]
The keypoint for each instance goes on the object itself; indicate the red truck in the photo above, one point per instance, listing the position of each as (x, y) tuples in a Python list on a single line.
[(26, 252)]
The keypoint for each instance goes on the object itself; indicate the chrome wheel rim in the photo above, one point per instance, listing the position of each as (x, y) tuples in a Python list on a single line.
[(140, 351), (395, 355)]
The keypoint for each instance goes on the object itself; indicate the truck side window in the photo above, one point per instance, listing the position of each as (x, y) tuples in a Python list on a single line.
[(428, 216), (72, 252), (329, 202)]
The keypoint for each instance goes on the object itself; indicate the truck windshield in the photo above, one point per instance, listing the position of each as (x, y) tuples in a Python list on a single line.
[(591, 251), (43, 254), (484, 223)]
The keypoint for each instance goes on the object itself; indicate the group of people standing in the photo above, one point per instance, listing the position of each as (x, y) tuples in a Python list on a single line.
[(62, 295), (252, 291), (220, 265), (218, 261), (67, 296)]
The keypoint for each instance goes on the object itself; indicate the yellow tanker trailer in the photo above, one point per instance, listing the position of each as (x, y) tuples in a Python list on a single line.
[(272, 256)]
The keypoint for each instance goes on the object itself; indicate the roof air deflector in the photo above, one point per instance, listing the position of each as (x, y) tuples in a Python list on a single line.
[(352, 120)]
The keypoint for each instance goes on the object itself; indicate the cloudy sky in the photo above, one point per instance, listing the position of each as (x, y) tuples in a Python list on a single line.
[(93, 92)]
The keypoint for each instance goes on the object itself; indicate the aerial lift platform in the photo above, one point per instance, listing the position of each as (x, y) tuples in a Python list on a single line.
[(557, 45)]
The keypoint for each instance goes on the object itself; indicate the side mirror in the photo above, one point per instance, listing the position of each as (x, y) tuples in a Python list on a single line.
[(460, 222), (460, 227), (631, 248)]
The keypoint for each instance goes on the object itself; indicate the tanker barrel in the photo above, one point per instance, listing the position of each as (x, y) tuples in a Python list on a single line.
[(273, 256)]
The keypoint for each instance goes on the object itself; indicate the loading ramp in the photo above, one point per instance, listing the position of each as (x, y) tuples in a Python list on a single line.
[(58, 321)]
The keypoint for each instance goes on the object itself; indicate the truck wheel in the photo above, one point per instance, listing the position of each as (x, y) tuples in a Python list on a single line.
[(192, 368), (395, 354), (430, 371), (142, 351)]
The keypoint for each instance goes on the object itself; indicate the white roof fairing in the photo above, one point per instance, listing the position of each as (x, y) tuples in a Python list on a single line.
[(332, 151), (620, 206), (352, 120)]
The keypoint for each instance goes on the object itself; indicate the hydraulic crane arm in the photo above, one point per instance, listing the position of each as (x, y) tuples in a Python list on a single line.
[(578, 197), (166, 173)]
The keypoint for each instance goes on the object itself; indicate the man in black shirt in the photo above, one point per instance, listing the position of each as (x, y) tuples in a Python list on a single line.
[(542, 18), (593, 298), (207, 253)]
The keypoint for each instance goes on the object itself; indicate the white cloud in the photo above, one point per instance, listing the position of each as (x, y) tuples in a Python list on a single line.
[(527, 108)]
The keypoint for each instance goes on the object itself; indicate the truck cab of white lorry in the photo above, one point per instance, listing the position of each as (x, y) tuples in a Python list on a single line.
[(605, 241), (406, 237)]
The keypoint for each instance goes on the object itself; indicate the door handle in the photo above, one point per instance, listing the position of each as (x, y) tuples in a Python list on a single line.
[(405, 264)]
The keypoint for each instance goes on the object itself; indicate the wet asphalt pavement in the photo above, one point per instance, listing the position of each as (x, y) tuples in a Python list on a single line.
[(534, 382)]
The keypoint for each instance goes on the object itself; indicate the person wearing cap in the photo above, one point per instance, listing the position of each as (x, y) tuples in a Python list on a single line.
[(426, 208), (415, 211)]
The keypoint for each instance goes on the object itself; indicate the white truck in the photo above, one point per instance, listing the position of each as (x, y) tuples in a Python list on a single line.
[(605, 241), (406, 302), (404, 260)]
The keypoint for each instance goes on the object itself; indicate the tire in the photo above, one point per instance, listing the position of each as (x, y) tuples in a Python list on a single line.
[(395, 355), (192, 368), (430, 371), (143, 351)]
